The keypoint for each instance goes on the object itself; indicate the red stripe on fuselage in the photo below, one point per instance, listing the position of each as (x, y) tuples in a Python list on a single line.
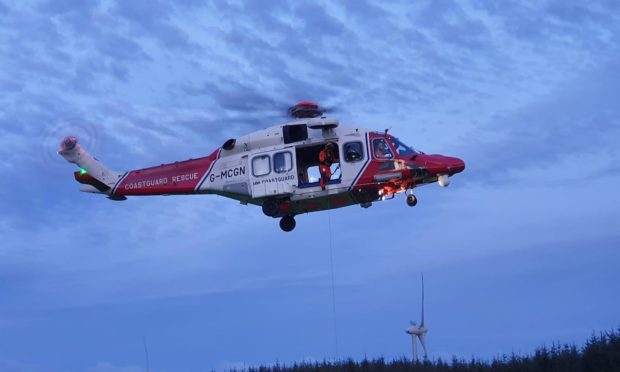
[(176, 178)]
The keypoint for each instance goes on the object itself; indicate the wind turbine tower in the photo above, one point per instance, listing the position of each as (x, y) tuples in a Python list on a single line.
[(418, 332)]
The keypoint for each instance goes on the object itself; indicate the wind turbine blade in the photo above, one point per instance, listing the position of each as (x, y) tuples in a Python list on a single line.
[(423, 342), (422, 322)]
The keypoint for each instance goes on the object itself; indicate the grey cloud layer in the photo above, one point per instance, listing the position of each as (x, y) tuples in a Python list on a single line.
[(175, 80)]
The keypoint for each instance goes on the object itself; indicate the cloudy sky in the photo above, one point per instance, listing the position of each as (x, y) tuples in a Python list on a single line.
[(521, 250)]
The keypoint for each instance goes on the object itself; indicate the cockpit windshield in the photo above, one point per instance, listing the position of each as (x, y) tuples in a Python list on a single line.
[(402, 149)]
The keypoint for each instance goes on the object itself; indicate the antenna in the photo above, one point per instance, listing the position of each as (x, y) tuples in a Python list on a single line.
[(146, 354)]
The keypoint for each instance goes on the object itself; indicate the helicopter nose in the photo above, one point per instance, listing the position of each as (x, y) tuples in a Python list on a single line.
[(439, 164), (455, 165)]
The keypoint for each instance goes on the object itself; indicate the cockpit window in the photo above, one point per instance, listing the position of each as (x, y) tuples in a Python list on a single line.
[(381, 149), (402, 149)]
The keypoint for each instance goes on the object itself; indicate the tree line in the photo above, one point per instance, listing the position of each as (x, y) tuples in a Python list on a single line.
[(601, 353)]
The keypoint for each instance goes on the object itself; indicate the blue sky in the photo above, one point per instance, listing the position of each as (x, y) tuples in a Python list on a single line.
[(521, 249)]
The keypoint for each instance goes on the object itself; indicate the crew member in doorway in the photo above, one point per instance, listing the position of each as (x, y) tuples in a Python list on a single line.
[(326, 159)]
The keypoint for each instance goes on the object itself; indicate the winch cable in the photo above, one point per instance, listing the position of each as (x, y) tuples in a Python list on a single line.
[(331, 266)]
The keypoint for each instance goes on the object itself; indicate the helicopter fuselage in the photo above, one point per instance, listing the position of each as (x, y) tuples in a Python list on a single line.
[(278, 169)]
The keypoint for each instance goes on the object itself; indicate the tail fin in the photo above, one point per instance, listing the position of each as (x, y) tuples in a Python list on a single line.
[(91, 172)]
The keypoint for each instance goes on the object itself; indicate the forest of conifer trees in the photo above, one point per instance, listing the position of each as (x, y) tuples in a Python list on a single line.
[(599, 354)]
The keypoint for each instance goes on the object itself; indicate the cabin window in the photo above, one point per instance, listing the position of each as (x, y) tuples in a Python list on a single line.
[(381, 149), (282, 162), (353, 151), (261, 165), (313, 174)]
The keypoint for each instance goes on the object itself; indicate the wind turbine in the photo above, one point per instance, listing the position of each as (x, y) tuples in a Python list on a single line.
[(418, 331)]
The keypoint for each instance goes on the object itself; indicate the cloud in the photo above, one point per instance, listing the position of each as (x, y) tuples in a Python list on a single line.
[(545, 21), (154, 19), (15, 366), (62, 7), (183, 239), (317, 23), (579, 118)]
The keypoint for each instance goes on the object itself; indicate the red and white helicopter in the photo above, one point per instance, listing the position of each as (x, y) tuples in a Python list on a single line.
[(279, 168)]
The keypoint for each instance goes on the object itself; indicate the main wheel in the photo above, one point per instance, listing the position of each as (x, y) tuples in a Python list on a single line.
[(287, 223), (412, 200), (271, 207)]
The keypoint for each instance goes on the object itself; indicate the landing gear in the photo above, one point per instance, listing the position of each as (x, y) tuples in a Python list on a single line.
[(287, 223), (271, 207), (412, 200)]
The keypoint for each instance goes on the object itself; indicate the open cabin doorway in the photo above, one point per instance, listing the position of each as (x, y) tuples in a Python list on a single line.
[(308, 174)]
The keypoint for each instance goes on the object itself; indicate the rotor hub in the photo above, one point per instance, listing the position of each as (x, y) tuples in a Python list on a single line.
[(305, 110), (68, 143)]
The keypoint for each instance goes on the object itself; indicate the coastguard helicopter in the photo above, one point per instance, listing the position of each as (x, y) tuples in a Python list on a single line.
[(281, 168)]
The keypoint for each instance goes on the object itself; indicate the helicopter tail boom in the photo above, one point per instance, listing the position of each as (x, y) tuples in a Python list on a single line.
[(181, 177)]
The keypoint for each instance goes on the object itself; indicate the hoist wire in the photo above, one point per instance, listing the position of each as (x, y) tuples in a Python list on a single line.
[(331, 266), (146, 354)]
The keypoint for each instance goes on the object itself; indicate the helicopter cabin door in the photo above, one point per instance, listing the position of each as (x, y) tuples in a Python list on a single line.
[(273, 173)]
